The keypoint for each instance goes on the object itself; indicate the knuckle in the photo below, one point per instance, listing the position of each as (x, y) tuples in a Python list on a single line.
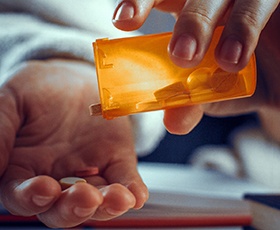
[(247, 18), (197, 17), (246, 24)]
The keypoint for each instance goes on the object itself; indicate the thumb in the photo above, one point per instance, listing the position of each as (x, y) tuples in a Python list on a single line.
[(131, 14)]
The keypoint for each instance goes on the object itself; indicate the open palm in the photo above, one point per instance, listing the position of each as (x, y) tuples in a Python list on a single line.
[(47, 134)]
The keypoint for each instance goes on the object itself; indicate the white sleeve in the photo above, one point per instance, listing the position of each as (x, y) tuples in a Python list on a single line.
[(27, 38), (40, 29), (260, 156), (148, 131)]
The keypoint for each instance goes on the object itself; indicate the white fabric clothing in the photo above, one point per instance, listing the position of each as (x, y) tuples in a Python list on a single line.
[(252, 156)]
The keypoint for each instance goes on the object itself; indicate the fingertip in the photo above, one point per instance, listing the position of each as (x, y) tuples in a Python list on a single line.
[(130, 14), (43, 191), (123, 16), (232, 55), (118, 196), (117, 200), (92, 197), (75, 205), (231, 50), (181, 121), (141, 193), (183, 51), (42, 201), (31, 196), (124, 11), (189, 45)]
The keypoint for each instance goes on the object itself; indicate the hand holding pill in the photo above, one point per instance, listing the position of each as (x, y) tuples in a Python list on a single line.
[(54, 139)]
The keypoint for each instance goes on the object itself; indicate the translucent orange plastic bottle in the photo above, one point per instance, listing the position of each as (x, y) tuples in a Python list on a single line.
[(135, 75)]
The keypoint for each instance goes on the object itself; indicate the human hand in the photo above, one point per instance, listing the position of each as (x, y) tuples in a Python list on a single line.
[(196, 20), (47, 134)]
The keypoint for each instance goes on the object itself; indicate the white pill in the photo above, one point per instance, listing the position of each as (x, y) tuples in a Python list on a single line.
[(66, 182)]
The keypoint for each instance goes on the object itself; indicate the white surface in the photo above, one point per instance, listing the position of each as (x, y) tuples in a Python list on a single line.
[(185, 179), (177, 185)]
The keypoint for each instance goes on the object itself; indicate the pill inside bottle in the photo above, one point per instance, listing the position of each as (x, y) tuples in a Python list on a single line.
[(135, 74)]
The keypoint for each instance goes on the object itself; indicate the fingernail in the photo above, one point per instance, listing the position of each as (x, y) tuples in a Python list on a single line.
[(231, 51), (114, 212), (185, 47), (124, 12), (83, 212), (42, 200)]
